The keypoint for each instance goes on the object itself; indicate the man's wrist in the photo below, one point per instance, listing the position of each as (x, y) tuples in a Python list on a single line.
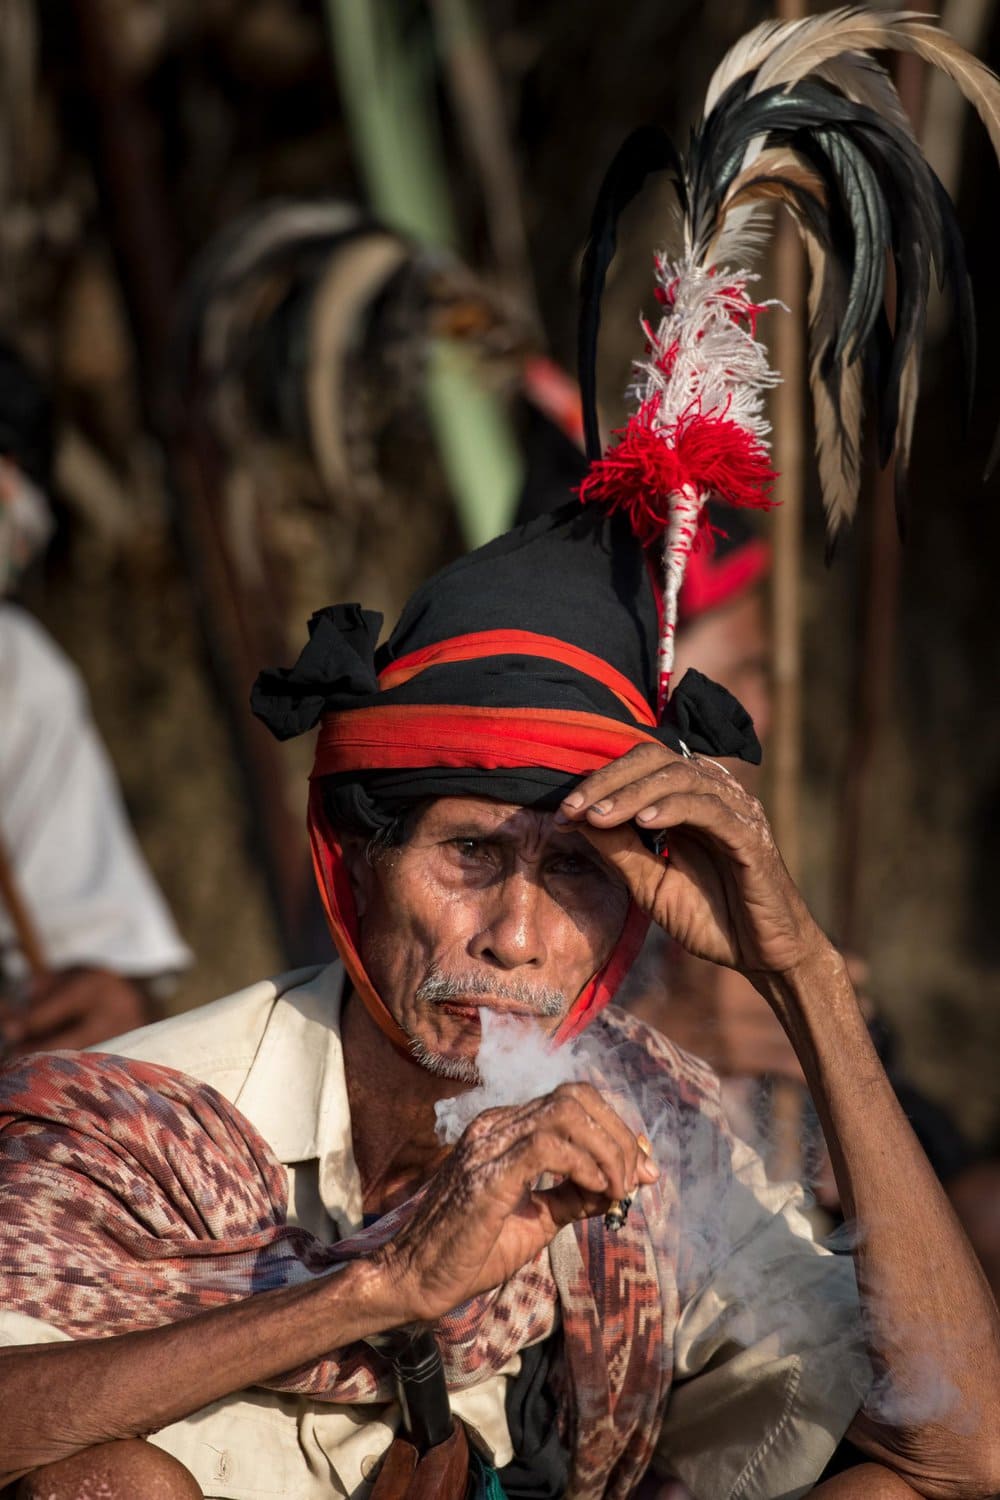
[(368, 1296), (819, 978)]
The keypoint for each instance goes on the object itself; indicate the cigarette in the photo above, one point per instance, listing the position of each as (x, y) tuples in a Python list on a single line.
[(618, 1208), (617, 1213)]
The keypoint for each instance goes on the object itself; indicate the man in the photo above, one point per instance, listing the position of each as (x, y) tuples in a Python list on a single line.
[(488, 810), (105, 936)]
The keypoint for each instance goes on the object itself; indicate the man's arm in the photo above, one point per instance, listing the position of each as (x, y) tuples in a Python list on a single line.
[(724, 894), (479, 1219), (930, 1320)]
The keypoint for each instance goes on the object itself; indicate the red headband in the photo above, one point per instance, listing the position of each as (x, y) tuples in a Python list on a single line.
[(392, 737)]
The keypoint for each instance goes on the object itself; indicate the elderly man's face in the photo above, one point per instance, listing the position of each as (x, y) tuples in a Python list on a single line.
[(486, 905)]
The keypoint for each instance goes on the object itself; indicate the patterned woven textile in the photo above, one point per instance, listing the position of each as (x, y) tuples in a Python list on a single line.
[(132, 1196)]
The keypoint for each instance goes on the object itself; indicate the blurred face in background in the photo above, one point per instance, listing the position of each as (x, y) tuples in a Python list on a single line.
[(732, 645)]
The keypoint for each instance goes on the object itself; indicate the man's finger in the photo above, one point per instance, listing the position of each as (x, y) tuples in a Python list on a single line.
[(567, 1203), (643, 760), (546, 1150), (603, 1117), (647, 793), (701, 811)]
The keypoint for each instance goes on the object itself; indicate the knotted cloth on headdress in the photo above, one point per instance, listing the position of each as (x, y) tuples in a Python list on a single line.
[(521, 668)]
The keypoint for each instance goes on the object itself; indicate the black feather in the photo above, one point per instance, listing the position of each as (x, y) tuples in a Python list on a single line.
[(648, 149)]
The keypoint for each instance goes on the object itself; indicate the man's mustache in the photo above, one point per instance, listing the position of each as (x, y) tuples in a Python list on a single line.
[(439, 988)]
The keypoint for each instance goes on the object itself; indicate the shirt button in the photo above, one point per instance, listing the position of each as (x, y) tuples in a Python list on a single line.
[(370, 1465)]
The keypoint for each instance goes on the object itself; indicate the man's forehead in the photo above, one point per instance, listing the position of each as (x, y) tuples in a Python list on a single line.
[(487, 816)]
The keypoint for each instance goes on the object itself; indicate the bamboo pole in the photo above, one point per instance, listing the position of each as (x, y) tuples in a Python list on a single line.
[(878, 641), (478, 104), (21, 919), (387, 91), (235, 625), (785, 743), (789, 420)]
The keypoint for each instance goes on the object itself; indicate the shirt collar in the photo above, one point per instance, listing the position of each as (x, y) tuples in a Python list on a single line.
[(295, 1092)]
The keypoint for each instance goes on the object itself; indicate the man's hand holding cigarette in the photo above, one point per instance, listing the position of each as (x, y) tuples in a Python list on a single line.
[(482, 1216)]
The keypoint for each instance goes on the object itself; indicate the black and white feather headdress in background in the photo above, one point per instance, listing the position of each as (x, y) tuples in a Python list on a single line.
[(801, 114)]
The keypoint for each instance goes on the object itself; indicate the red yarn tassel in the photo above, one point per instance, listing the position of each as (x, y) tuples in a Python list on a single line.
[(712, 454)]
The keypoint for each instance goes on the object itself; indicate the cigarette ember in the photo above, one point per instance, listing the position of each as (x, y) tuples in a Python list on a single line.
[(617, 1213)]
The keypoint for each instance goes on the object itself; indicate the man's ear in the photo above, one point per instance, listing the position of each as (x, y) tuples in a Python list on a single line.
[(359, 870)]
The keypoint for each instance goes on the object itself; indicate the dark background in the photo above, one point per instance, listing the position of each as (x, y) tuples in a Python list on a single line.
[(235, 100)]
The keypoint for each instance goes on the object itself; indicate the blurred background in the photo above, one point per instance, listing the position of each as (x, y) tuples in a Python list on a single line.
[(299, 278)]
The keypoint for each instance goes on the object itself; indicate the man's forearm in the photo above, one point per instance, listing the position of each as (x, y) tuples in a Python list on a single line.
[(57, 1399), (931, 1323)]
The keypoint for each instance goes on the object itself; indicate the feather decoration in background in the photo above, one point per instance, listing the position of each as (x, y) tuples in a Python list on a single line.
[(800, 114), (309, 322)]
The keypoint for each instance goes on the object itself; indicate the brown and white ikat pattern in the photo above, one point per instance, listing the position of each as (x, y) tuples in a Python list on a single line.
[(132, 1196)]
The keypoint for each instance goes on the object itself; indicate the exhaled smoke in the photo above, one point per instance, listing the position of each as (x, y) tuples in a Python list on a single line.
[(735, 1247), (516, 1062)]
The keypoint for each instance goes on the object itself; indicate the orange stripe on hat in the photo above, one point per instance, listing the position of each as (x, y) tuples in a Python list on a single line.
[(403, 736), (485, 643)]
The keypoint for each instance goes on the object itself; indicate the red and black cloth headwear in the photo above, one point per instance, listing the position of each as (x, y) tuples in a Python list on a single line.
[(513, 673)]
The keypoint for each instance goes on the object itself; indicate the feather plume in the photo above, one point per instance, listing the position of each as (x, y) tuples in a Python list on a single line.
[(798, 114), (307, 322)]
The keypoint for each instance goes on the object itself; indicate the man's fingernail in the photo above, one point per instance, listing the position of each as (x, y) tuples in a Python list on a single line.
[(603, 807), (646, 816), (644, 1143), (648, 1168), (575, 799)]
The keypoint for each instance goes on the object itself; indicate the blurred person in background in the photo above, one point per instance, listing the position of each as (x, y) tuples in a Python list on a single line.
[(87, 944)]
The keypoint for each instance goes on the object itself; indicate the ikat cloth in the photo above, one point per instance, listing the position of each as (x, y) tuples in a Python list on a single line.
[(134, 1195)]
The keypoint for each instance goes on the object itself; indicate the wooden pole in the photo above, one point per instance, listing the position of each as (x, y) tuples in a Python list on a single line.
[(878, 644), (240, 628), (21, 920), (785, 743), (789, 421)]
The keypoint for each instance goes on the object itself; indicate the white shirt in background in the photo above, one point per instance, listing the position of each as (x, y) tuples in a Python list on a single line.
[(65, 831)]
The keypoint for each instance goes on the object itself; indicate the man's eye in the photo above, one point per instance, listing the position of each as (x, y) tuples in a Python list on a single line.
[(468, 847)]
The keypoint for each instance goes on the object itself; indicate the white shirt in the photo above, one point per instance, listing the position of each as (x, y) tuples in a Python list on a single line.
[(765, 1385), (66, 835)]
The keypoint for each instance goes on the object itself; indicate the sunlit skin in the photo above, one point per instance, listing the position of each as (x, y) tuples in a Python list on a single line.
[(511, 896), (484, 891), (487, 891)]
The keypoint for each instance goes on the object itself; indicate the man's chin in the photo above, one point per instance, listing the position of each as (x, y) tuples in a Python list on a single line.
[(454, 1067)]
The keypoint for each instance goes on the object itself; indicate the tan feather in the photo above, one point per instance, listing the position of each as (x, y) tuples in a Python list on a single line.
[(745, 56), (978, 83), (784, 51), (348, 285), (838, 437), (865, 81), (764, 182), (778, 162), (817, 39), (909, 392)]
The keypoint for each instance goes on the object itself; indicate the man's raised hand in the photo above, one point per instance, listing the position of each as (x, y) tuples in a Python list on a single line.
[(723, 891), (482, 1215)]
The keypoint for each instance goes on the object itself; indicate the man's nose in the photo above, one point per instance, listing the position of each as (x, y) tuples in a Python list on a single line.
[(512, 933)]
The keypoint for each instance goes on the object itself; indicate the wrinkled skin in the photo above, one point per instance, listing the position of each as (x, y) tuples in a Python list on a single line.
[(531, 916), (529, 900)]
